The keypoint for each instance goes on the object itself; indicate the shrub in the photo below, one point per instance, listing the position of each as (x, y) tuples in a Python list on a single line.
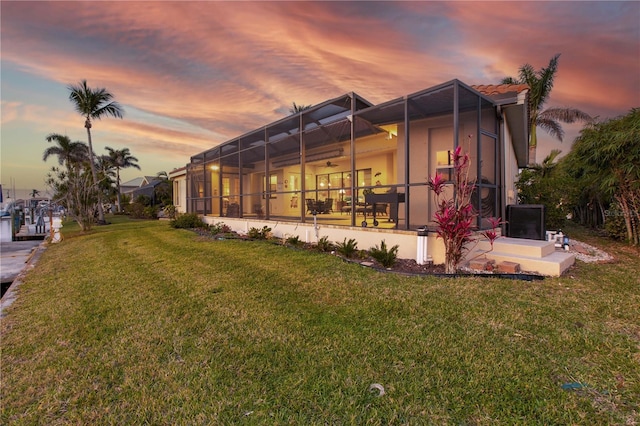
[(188, 221), (143, 199), (293, 241), (385, 256), (614, 223), (455, 216), (347, 248), (141, 208), (259, 234), (324, 244), (363, 254), (135, 210), (150, 212), (169, 211), (219, 228)]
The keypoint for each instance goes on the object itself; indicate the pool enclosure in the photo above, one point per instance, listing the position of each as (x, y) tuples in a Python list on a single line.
[(348, 162)]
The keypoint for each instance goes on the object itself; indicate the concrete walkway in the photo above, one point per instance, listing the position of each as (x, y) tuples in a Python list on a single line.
[(16, 257)]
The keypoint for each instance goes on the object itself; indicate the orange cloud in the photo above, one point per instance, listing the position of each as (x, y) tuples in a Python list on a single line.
[(193, 74)]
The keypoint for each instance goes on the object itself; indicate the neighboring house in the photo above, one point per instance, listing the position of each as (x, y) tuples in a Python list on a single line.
[(329, 158), (128, 188), (178, 178), (149, 191)]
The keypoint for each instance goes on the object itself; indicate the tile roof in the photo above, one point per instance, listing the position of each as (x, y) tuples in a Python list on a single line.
[(500, 89)]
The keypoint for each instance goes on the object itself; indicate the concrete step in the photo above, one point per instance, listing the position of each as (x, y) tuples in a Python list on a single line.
[(524, 247)]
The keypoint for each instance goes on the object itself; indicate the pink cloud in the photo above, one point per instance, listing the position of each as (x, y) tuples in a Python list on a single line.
[(223, 68)]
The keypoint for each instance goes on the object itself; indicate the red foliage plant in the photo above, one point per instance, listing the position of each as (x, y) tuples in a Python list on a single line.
[(455, 216)]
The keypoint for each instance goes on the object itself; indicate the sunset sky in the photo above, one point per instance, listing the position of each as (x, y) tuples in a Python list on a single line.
[(191, 75)]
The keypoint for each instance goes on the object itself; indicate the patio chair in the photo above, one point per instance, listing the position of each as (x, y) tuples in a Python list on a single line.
[(311, 204), (327, 207)]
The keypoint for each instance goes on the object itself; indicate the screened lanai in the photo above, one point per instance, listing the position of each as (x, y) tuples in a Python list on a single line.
[(348, 162)]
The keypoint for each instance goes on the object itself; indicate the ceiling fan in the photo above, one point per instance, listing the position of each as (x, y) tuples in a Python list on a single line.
[(330, 164)]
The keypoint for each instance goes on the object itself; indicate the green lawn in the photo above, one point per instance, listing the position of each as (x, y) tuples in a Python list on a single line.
[(139, 323)]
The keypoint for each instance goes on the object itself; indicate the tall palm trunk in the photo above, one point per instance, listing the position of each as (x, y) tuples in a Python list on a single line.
[(118, 185), (533, 144), (87, 125)]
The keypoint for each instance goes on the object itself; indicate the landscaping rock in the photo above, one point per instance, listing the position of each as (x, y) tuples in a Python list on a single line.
[(509, 267), (481, 264)]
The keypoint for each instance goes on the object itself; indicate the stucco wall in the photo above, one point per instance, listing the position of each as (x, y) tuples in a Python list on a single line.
[(366, 238)]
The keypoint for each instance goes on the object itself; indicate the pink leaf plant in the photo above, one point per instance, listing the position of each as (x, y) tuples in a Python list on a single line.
[(455, 217), (436, 183), (491, 234)]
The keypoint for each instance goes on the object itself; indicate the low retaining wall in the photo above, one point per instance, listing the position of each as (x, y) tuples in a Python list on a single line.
[(366, 238)]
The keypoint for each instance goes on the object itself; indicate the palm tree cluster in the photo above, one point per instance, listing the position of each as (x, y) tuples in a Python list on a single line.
[(540, 84), (82, 181), (93, 104), (120, 159)]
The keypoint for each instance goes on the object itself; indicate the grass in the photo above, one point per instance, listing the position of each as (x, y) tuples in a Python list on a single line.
[(138, 323)]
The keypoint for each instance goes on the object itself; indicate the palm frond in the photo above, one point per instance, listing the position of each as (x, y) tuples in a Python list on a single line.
[(295, 108), (112, 109), (566, 115), (550, 126), (545, 79)]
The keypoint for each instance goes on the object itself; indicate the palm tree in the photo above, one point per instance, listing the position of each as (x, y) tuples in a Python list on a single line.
[(540, 84), (298, 108), (121, 159), (34, 193), (106, 177), (92, 104), (68, 153), (548, 164)]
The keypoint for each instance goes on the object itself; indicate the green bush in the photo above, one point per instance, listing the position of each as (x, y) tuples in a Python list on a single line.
[(259, 234), (150, 212), (135, 210), (385, 256), (188, 221), (219, 228), (294, 241), (550, 185), (614, 223), (347, 248), (324, 244), (141, 208), (144, 200)]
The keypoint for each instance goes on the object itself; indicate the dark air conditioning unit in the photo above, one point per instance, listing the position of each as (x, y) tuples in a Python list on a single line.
[(526, 221)]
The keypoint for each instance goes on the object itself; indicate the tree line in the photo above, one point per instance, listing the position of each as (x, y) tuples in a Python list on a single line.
[(597, 183), (83, 181)]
